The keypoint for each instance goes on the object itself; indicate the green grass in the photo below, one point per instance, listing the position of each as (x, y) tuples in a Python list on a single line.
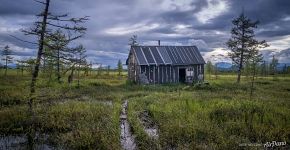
[(219, 116), (216, 116)]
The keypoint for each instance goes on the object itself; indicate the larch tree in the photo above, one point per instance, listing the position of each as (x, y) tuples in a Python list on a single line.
[(76, 61), (247, 68), (108, 70), (254, 60), (81, 60), (43, 28), (7, 58), (20, 66), (216, 70), (273, 66), (284, 70), (133, 41), (242, 42), (29, 65), (100, 69), (209, 68), (264, 69), (58, 51), (48, 62), (120, 67)]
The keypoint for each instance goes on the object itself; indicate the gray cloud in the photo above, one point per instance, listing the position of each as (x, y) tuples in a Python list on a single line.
[(206, 23)]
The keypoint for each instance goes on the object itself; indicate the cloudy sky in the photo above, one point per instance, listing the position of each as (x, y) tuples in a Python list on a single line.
[(204, 23)]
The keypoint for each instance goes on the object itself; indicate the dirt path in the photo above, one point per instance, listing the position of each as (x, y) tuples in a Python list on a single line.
[(127, 139)]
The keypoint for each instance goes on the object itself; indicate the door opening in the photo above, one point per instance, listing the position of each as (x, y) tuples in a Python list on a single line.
[(182, 74)]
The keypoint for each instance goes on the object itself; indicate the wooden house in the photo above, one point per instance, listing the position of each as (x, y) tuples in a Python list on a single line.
[(165, 64)]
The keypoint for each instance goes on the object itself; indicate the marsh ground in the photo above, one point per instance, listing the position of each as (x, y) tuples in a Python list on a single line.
[(216, 116)]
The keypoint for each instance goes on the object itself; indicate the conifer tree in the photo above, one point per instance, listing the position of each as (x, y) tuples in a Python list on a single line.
[(273, 67), (243, 41), (7, 58), (120, 67), (254, 60), (133, 41), (43, 28), (209, 69)]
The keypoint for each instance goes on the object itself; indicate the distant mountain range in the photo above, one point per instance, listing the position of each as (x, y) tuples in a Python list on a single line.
[(283, 57), (13, 66), (225, 66), (281, 66)]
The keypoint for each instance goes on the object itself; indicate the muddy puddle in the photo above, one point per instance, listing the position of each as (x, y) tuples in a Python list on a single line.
[(149, 126), (19, 142), (127, 138)]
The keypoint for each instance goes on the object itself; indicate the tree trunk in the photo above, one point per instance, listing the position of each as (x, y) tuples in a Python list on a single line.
[(240, 66), (216, 72), (6, 66), (240, 70), (79, 77), (79, 71), (44, 64), (70, 77), (242, 57), (253, 80), (35, 75), (58, 66)]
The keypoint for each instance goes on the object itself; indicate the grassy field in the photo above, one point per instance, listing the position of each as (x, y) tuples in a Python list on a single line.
[(216, 116)]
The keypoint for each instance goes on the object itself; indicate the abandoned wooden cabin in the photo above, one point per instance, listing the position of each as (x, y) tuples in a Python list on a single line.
[(165, 64)]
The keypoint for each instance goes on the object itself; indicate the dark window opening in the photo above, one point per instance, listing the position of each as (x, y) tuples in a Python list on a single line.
[(182, 75)]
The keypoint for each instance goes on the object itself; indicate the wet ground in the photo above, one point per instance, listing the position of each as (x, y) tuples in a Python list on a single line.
[(127, 138), (128, 141), (19, 142), (149, 126)]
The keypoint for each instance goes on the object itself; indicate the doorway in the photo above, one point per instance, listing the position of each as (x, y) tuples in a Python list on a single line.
[(182, 74)]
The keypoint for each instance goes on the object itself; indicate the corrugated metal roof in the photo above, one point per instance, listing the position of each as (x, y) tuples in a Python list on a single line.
[(163, 55)]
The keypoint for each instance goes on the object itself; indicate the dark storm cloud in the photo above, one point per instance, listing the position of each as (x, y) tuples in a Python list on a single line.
[(22, 7), (177, 16), (266, 11), (277, 28), (205, 23)]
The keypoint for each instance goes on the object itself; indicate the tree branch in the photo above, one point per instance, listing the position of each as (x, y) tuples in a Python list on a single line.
[(23, 40)]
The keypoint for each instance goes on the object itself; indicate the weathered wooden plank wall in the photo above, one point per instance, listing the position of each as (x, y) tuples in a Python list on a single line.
[(165, 73)]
